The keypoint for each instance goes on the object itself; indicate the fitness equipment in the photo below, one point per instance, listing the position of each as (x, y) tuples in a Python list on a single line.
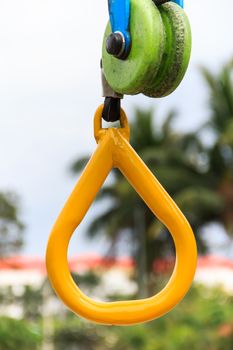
[(114, 150), (139, 58)]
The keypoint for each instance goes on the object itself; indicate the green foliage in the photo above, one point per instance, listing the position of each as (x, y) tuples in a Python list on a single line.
[(220, 96), (220, 153), (89, 279), (11, 227), (76, 334), (31, 301), (18, 335), (202, 321)]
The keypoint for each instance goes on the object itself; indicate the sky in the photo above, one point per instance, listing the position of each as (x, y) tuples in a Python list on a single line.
[(50, 88)]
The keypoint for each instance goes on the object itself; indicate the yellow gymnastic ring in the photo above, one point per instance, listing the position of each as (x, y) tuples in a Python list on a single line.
[(114, 150)]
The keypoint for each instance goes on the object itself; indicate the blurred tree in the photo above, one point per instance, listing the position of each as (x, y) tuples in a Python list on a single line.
[(220, 152), (87, 281), (18, 335), (203, 321), (75, 334), (31, 301), (11, 227)]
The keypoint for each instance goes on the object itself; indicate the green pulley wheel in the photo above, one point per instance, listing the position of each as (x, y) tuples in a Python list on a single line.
[(176, 53), (131, 75)]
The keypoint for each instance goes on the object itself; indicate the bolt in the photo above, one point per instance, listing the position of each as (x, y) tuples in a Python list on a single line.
[(115, 44)]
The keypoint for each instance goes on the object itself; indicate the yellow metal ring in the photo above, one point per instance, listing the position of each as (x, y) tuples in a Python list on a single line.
[(114, 150)]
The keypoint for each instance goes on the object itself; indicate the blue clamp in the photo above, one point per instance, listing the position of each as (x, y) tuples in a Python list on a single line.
[(119, 42), (179, 2)]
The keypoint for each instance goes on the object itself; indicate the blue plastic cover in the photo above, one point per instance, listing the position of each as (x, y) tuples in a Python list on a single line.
[(119, 13), (179, 2)]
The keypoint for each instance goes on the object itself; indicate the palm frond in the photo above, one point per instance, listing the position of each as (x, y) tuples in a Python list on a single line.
[(166, 128), (200, 204), (79, 164)]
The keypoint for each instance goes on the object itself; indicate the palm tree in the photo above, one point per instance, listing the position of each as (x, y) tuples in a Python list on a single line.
[(175, 159), (11, 227), (220, 153)]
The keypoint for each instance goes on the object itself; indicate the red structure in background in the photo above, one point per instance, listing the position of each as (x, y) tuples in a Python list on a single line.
[(90, 261)]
